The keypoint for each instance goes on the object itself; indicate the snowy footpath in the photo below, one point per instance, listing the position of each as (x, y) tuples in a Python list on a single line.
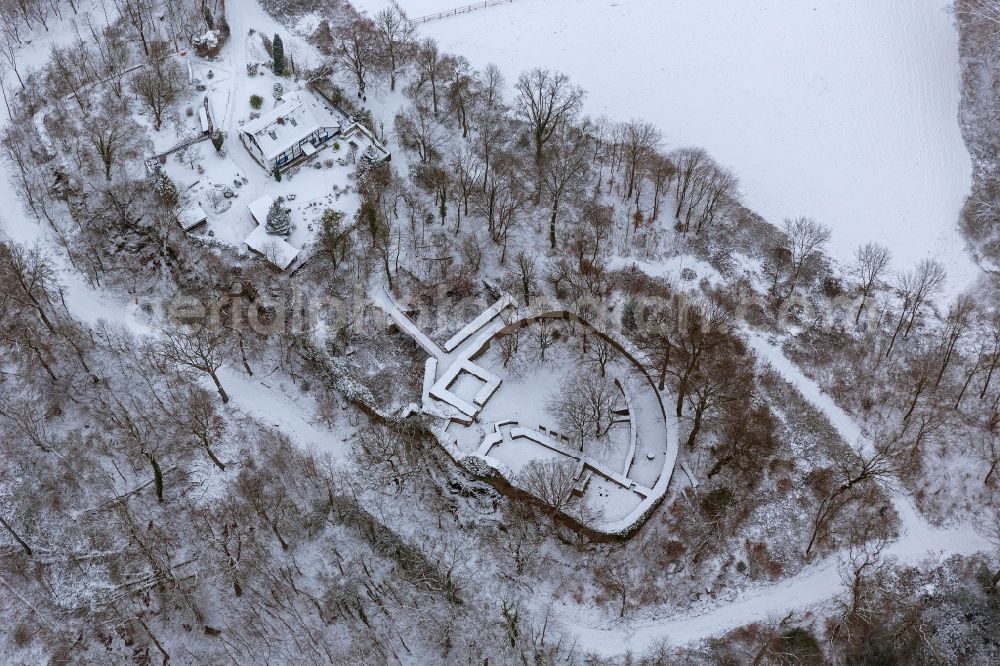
[(813, 587)]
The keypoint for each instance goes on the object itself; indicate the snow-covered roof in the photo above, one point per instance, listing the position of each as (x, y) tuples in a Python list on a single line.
[(375, 150), (284, 126), (259, 208), (275, 249), (191, 217)]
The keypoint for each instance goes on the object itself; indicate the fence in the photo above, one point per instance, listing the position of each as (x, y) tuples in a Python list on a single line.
[(459, 10)]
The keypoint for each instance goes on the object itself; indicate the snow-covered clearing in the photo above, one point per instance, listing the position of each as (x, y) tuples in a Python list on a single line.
[(843, 110)]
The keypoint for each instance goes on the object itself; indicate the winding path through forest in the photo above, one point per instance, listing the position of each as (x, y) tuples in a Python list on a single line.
[(817, 584)]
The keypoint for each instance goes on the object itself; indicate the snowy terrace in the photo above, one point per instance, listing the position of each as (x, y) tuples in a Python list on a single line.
[(500, 413)]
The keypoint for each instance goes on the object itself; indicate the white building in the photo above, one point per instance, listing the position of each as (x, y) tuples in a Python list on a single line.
[(294, 129)]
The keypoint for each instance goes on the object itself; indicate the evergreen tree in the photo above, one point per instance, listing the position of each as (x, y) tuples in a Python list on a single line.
[(165, 189), (278, 52), (277, 173), (279, 220), (218, 137)]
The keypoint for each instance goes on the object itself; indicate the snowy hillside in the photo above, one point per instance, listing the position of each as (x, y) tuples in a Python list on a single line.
[(549, 332), (846, 110)]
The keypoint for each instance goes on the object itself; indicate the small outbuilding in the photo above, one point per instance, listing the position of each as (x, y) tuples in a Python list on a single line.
[(192, 217), (275, 249), (259, 208)]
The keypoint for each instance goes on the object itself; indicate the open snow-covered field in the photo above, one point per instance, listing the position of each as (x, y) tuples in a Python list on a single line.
[(845, 110)]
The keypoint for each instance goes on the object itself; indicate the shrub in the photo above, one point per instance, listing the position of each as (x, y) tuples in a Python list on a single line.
[(364, 117), (256, 101), (832, 287), (801, 646), (714, 503)]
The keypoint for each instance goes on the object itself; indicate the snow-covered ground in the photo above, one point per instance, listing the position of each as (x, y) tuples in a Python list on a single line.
[(814, 586), (844, 110), (911, 188)]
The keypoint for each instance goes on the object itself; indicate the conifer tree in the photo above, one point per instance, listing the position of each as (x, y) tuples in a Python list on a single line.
[(278, 53), (218, 138), (278, 219)]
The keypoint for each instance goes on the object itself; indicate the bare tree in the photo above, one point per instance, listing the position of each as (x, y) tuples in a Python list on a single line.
[(159, 83), (726, 375), (563, 173), (656, 333), (585, 405), (618, 576), (990, 348), (995, 538), (433, 69), (600, 351), (545, 336), (721, 188), (545, 101), (113, 136), (465, 169), (918, 374), (524, 272), (395, 36), (418, 129), (701, 329), (986, 446), (806, 237), (595, 224), (914, 289), (202, 348), (928, 279), (661, 173), (639, 143), (509, 343), (960, 319), (863, 574), (690, 164), (202, 420), (855, 477), (987, 11), (503, 201), (356, 52), (460, 93), (870, 262), (551, 481), (489, 136)]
